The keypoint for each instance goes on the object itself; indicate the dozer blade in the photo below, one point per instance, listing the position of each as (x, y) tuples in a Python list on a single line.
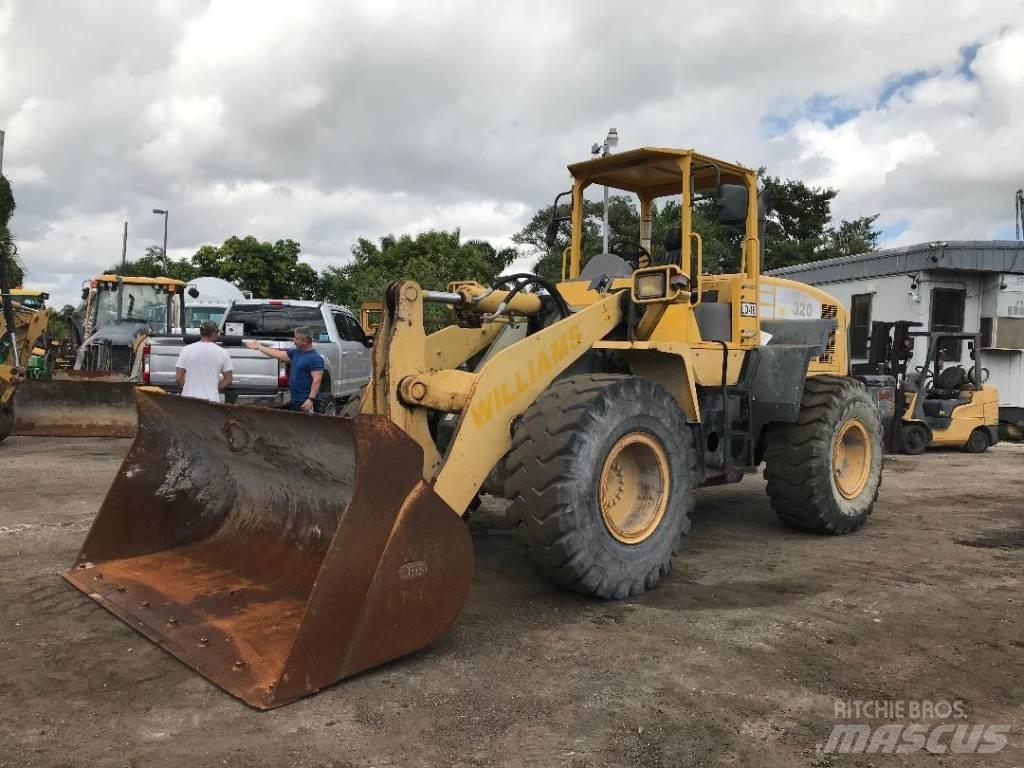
[(79, 407), (275, 553)]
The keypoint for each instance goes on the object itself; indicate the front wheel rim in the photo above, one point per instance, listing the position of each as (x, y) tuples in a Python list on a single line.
[(634, 487), (851, 458)]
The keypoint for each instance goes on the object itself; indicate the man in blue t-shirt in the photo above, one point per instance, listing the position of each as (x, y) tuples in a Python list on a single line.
[(307, 369)]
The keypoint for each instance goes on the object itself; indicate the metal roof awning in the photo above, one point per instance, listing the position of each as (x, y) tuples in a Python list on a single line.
[(996, 256), (654, 171), (108, 278)]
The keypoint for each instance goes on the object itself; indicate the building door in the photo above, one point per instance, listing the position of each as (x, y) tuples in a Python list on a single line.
[(948, 315), (860, 325)]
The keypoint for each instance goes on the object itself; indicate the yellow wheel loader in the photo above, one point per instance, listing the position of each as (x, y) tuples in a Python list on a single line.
[(97, 398), (21, 326), (277, 553)]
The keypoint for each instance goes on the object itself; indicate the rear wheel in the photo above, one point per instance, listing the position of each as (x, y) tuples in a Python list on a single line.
[(825, 469), (978, 442), (914, 439), (601, 477)]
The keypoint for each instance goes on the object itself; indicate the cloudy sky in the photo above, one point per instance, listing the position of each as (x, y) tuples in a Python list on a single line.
[(325, 121)]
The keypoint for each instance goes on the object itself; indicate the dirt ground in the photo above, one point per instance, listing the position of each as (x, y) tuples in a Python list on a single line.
[(737, 660)]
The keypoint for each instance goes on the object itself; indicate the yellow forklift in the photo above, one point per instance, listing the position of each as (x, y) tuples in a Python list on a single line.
[(935, 404)]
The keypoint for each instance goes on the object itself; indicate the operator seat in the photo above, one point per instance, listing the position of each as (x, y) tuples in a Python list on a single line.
[(714, 318), (949, 382), (944, 394)]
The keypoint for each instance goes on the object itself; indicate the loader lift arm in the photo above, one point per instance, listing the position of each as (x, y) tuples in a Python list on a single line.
[(490, 399)]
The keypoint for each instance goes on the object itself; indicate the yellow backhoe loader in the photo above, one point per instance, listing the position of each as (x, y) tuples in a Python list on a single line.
[(97, 397), (277, 553), (21, 326)]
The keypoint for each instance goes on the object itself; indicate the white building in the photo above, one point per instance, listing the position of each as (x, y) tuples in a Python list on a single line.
[(973, 286)]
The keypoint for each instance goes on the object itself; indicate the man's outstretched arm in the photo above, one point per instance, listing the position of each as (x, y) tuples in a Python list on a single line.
[(278, 354)]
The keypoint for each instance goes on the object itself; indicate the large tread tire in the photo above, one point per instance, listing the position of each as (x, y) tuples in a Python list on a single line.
[(978, 442), (799, 458), (558, 451), (914, 439), (6, 421)]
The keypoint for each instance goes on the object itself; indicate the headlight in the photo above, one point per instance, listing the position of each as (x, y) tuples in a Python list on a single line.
[(651, 286)]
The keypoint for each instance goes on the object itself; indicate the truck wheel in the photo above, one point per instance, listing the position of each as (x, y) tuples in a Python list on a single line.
[(6, 420), (824, 470), (601, 476), (978, 442), (914, 439)]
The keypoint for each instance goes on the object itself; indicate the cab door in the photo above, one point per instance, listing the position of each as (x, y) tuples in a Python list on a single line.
[(355, 361)]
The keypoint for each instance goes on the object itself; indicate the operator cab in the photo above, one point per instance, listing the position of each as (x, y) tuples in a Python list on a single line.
[(724, 306)]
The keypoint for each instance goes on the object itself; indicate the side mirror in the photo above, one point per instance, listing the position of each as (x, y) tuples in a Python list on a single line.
[(193, 292), (85, 294), (970, 345), (764, 202), (732, 204), (552, 232)]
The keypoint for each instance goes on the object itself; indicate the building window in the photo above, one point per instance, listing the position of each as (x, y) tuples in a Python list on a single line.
[(860, 325), (986, 332), (948, 315)]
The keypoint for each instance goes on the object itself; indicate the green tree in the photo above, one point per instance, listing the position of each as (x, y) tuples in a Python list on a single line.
[(272, 270), (58, 322), (798, 220), (433, 259), (152, 265), (15, 273), (852, 237)]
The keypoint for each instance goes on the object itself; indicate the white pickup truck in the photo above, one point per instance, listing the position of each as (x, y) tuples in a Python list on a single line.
[(262, 380)]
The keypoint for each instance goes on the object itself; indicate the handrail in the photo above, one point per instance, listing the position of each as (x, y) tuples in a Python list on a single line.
[(695, 278)]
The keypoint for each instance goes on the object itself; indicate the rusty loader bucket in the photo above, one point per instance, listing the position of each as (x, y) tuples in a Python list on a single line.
[(82, 405), (275, 553)]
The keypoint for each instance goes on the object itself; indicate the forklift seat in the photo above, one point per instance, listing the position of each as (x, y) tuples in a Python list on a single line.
[(948, 383)]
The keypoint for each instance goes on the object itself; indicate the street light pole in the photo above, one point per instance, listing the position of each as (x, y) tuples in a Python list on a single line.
[(605, 149), (161, 212)]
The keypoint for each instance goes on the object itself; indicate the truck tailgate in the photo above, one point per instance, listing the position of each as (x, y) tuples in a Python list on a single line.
[(254, 372)]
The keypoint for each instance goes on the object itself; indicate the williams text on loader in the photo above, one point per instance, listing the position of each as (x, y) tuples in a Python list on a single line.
[(97, 398), (277, 553)]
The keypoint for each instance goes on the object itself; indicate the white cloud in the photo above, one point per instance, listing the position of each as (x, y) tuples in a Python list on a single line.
[(325, 122), (942, 154)]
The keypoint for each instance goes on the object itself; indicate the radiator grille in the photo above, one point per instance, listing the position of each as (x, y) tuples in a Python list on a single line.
[(829, 312)]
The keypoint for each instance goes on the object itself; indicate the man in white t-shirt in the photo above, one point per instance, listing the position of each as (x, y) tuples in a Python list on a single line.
[(204, 369)]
